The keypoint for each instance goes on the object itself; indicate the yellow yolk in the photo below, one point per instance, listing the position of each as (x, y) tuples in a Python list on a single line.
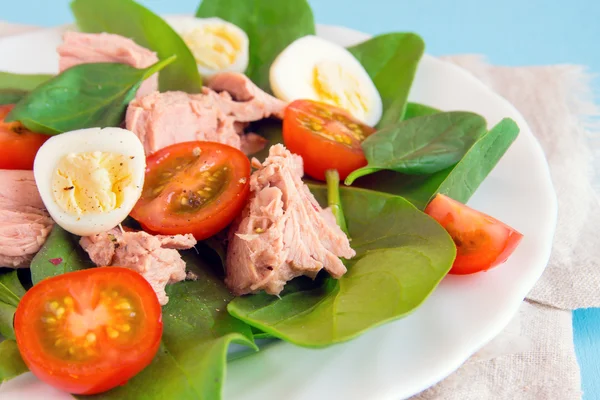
[(214, 46), (90, 183), (337, 86)]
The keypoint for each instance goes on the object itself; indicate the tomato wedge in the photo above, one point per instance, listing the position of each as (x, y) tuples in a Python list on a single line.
[(88, 331), (193, 187), (325, 136), (18, 145), (482, 242)]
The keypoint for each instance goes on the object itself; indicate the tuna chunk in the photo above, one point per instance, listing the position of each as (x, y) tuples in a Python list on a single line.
[(155, 257), (283, 232), (24, 221), (85, 48), (163, 119)]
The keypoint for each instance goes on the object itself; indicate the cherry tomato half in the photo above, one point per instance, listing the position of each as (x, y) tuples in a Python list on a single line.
[(89, 331), (325, 136), (18, 145), (482, 242), (193, 187)]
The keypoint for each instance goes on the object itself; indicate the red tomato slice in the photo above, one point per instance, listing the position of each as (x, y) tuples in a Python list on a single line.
[(18, 146), (327, 137), (193, 187), (88, 331), (482, 242)]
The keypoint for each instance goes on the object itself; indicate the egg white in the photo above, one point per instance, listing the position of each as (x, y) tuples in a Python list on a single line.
[(107, 140), (291, 74), (184, 25)]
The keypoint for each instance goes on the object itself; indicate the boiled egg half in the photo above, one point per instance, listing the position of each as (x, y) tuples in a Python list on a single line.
[(217, 45), (316, 69), (90, 179)]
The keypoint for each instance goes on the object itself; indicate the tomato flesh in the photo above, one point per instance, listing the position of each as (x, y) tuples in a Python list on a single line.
[(193, 187), (482, 242), (88, 331), (327, 137), (18, 145)]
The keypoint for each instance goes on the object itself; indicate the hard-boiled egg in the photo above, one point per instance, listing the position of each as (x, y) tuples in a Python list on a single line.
[(90, 179), (316, 69), (217, 45)]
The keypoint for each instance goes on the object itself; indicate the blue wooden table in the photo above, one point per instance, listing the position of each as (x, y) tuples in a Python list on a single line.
[(510, 32)]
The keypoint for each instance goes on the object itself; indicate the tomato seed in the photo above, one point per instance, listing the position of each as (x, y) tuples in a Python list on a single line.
[(112, 333)]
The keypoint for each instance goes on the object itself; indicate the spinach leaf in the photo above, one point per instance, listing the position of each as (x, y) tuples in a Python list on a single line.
[(271, 26), (60, 254), (25, 82), (11, 292), (421, 145), (391, 61), (129, 19), (84, 96), (458, 182), (402, 254), (13, 87), (333, 198), (11, 363), (11, 96), (191, 361), (418, 110)]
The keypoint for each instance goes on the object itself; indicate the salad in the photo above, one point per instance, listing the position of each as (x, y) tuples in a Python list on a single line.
[(188, 183)]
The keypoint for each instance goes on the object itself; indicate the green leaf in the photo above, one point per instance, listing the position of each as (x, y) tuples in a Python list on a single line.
[(7, 315), (192, 359), (421, 145), (11, 291), (13, 87), (11, 96), (270, 25), (391, 61), (402, 255), (11, 363), (60, 254), (418, 110), (84, 96), (458, 182), (129, 19), (25, 82)]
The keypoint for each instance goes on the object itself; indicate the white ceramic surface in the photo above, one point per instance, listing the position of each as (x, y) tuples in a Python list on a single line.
[(402, 358)]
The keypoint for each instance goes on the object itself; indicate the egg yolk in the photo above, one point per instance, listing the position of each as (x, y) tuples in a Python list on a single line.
[(214, 46), (90, 183), (337, 86)]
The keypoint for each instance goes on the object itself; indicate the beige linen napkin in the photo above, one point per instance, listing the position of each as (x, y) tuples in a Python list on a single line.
[(534, 357)]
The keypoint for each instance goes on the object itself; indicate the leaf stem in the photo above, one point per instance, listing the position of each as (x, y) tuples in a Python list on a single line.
[(333, 198)]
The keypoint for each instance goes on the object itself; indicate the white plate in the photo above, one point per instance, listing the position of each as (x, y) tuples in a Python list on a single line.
[(405, 357)]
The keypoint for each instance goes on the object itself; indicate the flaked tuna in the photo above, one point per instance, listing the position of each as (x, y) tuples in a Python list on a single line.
[(283, 232), (85, 48), (163, 119), (155, 257), (24, 221)]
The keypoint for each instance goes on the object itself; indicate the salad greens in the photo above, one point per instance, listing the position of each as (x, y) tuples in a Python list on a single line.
[(418, 110), (11, 363), (11, 292), (421, 145), (402, 254), (60, 254), (391, 61), (84, 96), (270, 26), (130, 19), (13, 87), (458, 182)]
